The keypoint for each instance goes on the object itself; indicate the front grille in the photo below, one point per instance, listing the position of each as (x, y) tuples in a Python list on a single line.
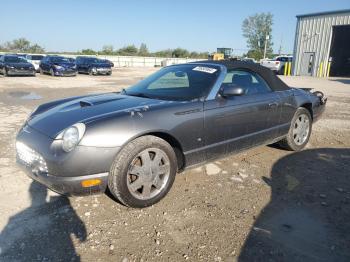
[(30, 157)]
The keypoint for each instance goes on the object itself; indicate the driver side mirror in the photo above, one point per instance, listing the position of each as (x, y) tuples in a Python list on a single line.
[(232, 90)]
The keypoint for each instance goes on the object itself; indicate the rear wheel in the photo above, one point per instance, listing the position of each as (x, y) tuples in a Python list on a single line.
[(299, 131), (143, 172)]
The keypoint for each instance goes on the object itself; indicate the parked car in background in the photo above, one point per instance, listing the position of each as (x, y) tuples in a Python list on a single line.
[(93, 66), (21, 55), (249, 60), (11, 65), (58, 66), (134, 142), (108, 61), (277, 64), (35, 60)]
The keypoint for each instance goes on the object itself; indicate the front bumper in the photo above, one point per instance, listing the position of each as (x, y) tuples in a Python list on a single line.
[(71, 186), (103, 71), (20, 72), (65, 72), (63, 172)]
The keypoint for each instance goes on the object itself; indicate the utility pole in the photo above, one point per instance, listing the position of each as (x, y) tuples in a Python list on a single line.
[(280, 49), (266, 38)]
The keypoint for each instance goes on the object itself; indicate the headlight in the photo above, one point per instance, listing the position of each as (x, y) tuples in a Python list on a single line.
[(58, 67), (72, 136)]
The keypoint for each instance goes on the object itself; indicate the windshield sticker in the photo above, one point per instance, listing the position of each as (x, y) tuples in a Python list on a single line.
[(205, 69)]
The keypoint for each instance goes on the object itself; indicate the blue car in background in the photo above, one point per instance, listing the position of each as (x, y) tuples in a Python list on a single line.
[(58, 66), (93, 66)]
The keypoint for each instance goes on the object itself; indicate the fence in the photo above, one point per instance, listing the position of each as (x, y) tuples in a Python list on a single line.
[(139, 61)]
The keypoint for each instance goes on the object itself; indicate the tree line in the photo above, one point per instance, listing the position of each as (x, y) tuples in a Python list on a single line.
[(257, 29), (132, 50), (22, 45)]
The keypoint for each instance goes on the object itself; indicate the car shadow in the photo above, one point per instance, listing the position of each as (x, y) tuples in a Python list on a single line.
[(307, 218), (43, 231), (342, 80)]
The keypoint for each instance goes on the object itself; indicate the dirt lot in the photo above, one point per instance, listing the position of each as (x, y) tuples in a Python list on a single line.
[(265, 204)]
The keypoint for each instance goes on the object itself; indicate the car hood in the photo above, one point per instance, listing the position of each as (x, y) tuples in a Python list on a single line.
[(53, 120), (19, 65), (66, 65)]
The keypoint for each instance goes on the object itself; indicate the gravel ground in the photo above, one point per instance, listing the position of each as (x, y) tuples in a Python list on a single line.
[(265, 204)]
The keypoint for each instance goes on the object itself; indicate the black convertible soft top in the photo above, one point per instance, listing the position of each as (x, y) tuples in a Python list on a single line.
[(270, 77)]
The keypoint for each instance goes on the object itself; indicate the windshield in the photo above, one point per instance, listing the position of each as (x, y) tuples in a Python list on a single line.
[(60, 59), (15, 59), (182, 82), (37, 57), (93, 60)]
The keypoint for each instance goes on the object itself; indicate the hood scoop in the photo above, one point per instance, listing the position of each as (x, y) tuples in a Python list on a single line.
[(85, 103), (94, 101)]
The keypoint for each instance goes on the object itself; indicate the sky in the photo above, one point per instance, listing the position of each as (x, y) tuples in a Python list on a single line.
[(68, 25)]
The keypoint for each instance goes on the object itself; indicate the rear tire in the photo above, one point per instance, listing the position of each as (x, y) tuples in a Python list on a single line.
[(299, 132), (139, 178)]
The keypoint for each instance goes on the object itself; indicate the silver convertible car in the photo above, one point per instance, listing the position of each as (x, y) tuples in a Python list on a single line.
[(135, 141)]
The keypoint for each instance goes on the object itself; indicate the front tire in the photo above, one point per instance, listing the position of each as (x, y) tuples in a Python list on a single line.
[(299, 132), (143, 172)]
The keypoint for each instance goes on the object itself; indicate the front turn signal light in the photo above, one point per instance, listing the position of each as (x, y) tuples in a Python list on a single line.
[(91, 182)]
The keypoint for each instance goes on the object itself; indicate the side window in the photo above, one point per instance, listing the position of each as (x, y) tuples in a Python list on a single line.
[(250, 81), (177, 79)]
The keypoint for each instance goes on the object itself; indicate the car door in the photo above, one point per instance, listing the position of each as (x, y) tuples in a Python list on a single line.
[(1, 62), (78, 63), (238, 122), (83, 65), (44, 64)]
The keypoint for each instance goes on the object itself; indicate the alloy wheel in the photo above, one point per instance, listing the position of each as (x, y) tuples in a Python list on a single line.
[(301, 129), (148, 173)]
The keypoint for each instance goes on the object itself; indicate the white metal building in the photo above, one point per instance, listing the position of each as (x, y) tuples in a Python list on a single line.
[(322, 44)]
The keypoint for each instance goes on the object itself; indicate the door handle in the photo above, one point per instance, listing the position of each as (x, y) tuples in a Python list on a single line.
[(273, 104)]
